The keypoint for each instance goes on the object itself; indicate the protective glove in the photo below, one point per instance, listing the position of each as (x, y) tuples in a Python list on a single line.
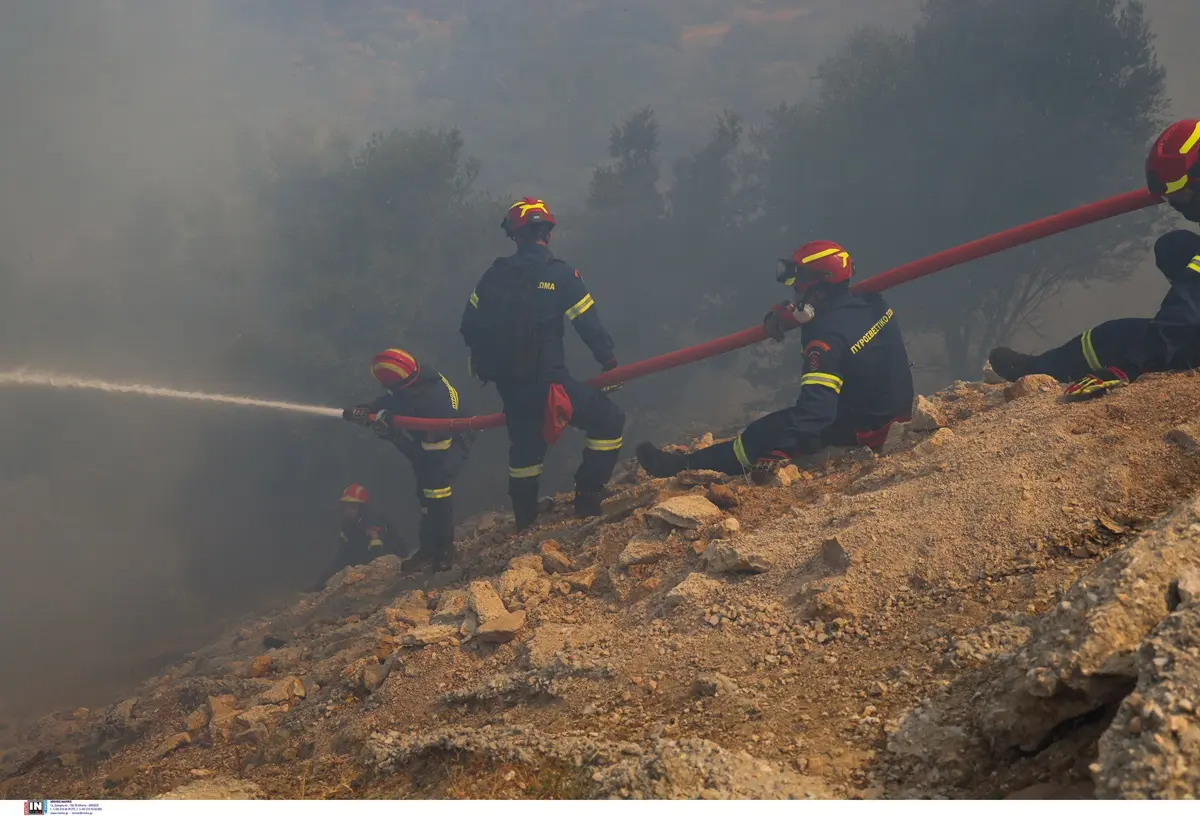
[(1095, 384), (382, 426), (784, 316), (609, 366), (359, 415)]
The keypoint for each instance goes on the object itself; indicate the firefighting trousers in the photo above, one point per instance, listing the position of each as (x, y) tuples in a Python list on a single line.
[(763, 435), (593, 412), (1136, 345), (437, 466)]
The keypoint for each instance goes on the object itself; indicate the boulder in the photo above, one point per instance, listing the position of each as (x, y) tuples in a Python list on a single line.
[(691, 512), (723, 555), (585, 580), (429, 635), (484, 602), (1029, 385), (197, 720), (172, 744), (223, 711), (934, 443), (405, 613), (284, 691), (722, 496), (696, 589), (925, 415), (502, 629), (835, 555), (642, 549), (554, 560), (261, 666), (1186, 438), (373, 675), (520, 584), (529, 562), (451, 607)]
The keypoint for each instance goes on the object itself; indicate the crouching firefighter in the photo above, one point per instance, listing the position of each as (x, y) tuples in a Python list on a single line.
[(513, 325), (856, 379), (366, 535), (1114, 353), (437, 458)]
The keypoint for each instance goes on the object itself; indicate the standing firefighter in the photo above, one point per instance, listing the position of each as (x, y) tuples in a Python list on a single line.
[(856, 379), (437, 458), (513, 324), (1115, 352), (366, 535)]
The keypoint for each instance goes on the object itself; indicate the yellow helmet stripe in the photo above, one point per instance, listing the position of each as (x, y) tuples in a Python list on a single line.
[(824, 253), (1192, 141)]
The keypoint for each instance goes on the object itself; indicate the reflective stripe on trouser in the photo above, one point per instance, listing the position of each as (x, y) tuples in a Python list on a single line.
[(1130, 343)]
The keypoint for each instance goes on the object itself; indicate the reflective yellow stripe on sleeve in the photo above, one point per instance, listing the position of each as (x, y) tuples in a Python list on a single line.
[(474, 300), (579, 308), (525, 472), (820, 378), (1195, 264), (440, 445), (436, 493), (1089, 351), (605, 444), (739, 450)]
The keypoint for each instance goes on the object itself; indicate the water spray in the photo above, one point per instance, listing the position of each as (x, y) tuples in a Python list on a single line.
[(41, 378)]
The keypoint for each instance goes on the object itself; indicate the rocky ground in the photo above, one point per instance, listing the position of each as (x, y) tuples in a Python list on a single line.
[(1004, 604)]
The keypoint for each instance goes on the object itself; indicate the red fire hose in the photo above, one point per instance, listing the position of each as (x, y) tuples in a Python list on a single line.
[(990, 245)]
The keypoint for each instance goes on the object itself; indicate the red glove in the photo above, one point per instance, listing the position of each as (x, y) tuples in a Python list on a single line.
[(781, 318), (772, 461)]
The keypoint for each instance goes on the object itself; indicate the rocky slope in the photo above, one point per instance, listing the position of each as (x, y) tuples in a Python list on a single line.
[(1005, 604)]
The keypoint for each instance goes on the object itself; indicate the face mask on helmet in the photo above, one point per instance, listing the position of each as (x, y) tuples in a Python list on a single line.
[(792, 274), (1186, 202)]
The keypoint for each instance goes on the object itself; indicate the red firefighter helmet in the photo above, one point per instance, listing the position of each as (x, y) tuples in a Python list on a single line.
[(815, 262), (1173, 166), (356, 494), (525, 213), (394, 368)]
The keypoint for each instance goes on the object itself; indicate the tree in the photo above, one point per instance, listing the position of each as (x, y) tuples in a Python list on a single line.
[(991, 113)]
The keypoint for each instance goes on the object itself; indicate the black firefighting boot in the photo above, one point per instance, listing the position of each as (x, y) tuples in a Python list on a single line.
[(1009, 364), (587, 502), (660, 463), (441, 536), (525, 505)]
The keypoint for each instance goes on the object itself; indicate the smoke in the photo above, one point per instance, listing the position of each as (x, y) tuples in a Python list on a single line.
[(136, 130)]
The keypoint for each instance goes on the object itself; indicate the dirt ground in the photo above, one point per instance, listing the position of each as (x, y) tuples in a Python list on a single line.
[(708, 637)]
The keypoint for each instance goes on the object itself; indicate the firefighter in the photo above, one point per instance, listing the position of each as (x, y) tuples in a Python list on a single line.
[(366, 535), (513, 325), (856, 379), (1118, 351), (437, 458)]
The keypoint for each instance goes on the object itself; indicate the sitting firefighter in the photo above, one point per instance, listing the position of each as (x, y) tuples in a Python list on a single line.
[(856, 379), (437, 457), (366, 535), (1114, 353)]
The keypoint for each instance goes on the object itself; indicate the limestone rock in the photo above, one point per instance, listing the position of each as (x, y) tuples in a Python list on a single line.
[(197, 720), (835, 555), (484, 602), (521, 583), (1029, 385), (936, 442), (926, 416), (1188, 587), (722, 496), (451, 607), (216, 788), (260, 715), (785, 476), (991, 377), (172, 744), (502, 629), (405, 613), (642, 549), (284, 691), (429, 635), (222, 712), (696, 589), (373, 675), (690, 512), (261, 666), (585, 580), (724, 555), (554, 560), (529, 562)]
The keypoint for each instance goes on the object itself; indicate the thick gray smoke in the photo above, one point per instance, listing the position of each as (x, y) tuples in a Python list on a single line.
[(148, 169)]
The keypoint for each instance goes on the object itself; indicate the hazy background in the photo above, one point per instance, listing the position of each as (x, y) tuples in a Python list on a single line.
[(190, 196)]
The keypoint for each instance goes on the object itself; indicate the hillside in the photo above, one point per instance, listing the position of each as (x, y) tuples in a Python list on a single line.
[(1005, 602)]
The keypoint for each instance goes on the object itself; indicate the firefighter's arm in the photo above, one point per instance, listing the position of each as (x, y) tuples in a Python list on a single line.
[(580, 309), (820, 387)]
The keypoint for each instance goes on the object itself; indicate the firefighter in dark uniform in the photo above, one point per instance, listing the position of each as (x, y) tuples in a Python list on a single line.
[(513, 325), (366, 535), (1118, 351), (856, 379), (437, 458)]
